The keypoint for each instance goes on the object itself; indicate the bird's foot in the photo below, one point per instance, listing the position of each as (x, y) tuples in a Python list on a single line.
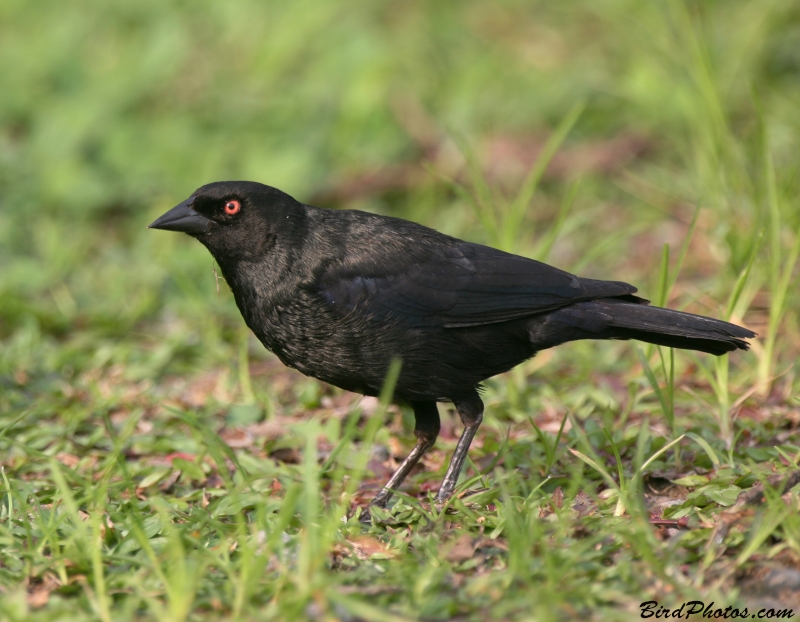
[(375, 514), (366, 516), (441, 503)]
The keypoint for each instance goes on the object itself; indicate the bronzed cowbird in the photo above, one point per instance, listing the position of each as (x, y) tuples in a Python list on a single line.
[(338, 294)]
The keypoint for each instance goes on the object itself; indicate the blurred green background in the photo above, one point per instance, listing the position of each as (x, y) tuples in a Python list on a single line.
[(657, 114), (112, 112)]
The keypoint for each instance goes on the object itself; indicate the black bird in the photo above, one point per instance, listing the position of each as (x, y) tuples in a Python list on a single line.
[(338, 294)]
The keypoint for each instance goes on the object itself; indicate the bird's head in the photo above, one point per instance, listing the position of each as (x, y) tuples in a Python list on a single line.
[(235, 220)]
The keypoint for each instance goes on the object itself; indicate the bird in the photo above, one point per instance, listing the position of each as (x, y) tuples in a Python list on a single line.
[(340, 294)]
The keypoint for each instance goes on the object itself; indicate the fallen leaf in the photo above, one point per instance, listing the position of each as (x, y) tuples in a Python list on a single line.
[(583, 505), (557, 498), (236, 438), (289, 455), (462, 550), (365, 547), (39, 593), (68, 460)]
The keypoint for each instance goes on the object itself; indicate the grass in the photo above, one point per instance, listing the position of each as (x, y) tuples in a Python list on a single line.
[(157, 463)]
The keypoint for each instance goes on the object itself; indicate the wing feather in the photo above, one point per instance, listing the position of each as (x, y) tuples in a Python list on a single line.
[(465, 285)]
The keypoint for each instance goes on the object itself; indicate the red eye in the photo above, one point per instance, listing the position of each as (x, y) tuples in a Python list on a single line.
[(232, 207)]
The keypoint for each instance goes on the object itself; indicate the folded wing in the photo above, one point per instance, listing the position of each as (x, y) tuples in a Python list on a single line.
[(464, 285)]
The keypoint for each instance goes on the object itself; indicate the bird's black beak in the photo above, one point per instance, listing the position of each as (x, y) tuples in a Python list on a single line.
[(182, 218)]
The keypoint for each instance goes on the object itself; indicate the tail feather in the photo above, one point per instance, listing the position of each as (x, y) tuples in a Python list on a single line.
[(675, 329)]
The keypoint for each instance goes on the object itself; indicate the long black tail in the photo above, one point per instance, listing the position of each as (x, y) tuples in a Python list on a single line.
[(632, 318), (675, 329)]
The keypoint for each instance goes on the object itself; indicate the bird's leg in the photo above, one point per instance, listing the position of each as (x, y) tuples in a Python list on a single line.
[(426, 430), (471, 412)]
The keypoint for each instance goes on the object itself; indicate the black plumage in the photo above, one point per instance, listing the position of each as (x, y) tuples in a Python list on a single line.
[(338, 294)]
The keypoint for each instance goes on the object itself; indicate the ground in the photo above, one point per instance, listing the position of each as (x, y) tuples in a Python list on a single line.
[(158, 463)]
